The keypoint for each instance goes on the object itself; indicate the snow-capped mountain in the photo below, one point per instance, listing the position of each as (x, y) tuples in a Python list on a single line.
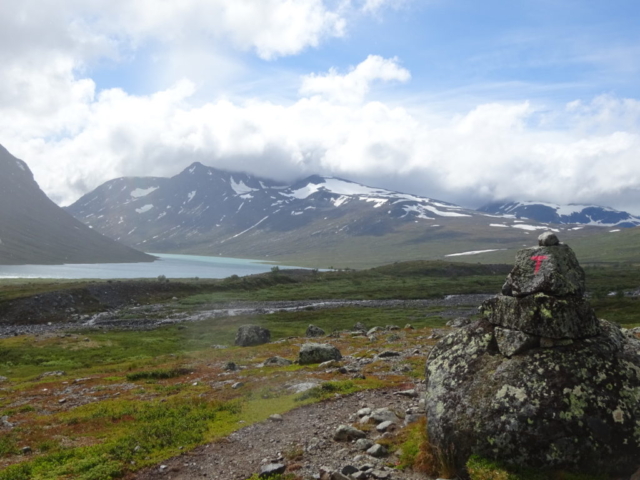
[(34, 230), (315, 221), (206, 205), (564, 214)]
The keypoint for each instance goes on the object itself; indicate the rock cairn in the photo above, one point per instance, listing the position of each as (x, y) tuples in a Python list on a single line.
[(539, 381)]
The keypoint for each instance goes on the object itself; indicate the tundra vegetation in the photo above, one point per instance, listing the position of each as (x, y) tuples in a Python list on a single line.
[(98, 404)]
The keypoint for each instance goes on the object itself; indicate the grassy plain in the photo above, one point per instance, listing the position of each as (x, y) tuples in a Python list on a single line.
[(100, 404)]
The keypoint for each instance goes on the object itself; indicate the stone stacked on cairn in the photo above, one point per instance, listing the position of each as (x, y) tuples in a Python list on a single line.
[(538, 381), (542, 300)]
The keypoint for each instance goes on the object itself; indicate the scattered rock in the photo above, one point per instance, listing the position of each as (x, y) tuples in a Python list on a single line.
[(346, 433), (272, 469), (378, 451), (26, 450), (380, 415), (349, 469), (237, 385), (388, 354), (363, 444), (318, 353), (276, 417), (3, 379), (386, 426), (364, 412), (230, 367), (250, 335), (374, 330), (313, 331), (277, 362), (548, 239), (360, 327), (459, 322)]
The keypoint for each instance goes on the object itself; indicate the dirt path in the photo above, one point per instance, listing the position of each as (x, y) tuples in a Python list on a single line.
[(308, 430)]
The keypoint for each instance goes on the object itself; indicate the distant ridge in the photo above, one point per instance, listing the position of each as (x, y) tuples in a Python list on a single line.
[(317, 221), (34, 230), (564, 214)]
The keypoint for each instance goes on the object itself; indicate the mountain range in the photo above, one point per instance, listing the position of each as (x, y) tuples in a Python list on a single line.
[(313, 221), (564, 214), (34, 230)]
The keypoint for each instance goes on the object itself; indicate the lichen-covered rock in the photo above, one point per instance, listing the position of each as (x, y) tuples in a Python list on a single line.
[(543, 315), (250, 335), (575, 407), (313, 331), (553, 270), (511, 342), (317, 353)]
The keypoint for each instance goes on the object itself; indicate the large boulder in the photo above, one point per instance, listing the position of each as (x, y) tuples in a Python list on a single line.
[(250, 335), (539, 382), (574, 407), (317, 353)]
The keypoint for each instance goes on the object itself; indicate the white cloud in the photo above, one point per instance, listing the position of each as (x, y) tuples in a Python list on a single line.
[(493, 151), (354, 86)]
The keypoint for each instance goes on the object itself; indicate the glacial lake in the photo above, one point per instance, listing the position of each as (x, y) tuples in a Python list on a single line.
[(169, 265)]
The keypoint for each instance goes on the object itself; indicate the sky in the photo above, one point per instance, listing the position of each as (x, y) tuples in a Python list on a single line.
[(459, 100)]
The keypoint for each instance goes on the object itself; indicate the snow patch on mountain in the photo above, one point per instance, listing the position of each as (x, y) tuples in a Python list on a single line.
[(141, 192), (144, 209)]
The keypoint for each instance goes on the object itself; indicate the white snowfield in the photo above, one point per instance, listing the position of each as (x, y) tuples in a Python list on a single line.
[(144, 209), (473, 252), (143, 192), (240, 187)]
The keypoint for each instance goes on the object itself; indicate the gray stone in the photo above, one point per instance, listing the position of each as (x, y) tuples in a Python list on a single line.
[(380, 474), (276, 417), (277, 362), (548, 239), (374, 330), (574, 408), (364, 412), (388, 354), (359, 475), (458, 322), (346, 433), (3, 379), (318, 353), (552, 270), (237, 385), (363, 444), (543, 315), (360, 327), (339, 476), (348, 470), (385, 426), (313, 331), (250, 335), (272, 469), (411, 393), (512, 342), (230, 367), (380, 415), (378, 451)]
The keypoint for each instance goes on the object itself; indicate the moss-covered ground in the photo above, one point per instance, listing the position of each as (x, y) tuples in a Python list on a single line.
[(99, 404)]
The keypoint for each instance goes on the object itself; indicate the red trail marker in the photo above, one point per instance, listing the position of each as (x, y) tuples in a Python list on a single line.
[(538, 259)]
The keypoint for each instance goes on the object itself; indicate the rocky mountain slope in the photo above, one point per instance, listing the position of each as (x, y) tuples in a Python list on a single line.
[(34, 230), (564, 214), (203, 210)]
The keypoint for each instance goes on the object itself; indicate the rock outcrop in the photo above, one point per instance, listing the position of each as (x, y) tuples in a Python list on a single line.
[(539, 381), (317, 353), (250, 335)]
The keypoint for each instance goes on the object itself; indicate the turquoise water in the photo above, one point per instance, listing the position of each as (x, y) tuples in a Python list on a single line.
[(171, 266)]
